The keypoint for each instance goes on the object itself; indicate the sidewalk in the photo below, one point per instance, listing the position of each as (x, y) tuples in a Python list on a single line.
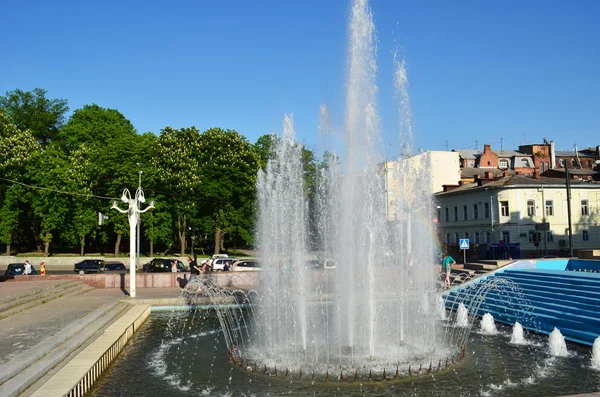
[(28, 328)]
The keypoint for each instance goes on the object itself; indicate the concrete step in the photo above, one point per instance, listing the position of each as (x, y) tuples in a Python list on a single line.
[(14, 300), (481, 266), (31, 368), (73, 288)]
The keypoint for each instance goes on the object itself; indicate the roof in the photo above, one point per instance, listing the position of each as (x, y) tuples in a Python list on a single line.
[(468, 154), (472, 172), (571, 153), (509, 153), (517, 181)]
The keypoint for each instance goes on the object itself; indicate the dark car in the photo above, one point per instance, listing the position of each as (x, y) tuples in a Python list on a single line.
[(114, 266), (89, 266), (17, 269), (162, 265)]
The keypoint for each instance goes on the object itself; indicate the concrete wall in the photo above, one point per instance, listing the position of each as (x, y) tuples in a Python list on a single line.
[(245, 280), (67, 263)]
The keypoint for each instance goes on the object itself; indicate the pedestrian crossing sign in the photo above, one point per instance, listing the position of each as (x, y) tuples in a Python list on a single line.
[(464, 243)]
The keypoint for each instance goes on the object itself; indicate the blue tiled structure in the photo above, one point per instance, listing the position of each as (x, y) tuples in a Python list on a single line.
[(540, 295)]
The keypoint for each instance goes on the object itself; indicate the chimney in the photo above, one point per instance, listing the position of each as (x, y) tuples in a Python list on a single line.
[(487, 148)]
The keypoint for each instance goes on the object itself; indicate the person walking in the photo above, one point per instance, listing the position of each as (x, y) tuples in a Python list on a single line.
[(447, 262), (194, 269)]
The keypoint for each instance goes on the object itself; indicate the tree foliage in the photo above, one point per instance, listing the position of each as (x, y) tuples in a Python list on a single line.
[(31, 110), (203, 183)]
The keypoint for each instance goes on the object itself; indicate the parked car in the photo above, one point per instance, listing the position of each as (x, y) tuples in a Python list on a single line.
[(114, 266), (163, 265), (247, 265), (89, 266), (218, 264), (17, 269)]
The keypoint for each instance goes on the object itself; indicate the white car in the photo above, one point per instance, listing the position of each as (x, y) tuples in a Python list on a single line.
[(218, 264), (245, 265)]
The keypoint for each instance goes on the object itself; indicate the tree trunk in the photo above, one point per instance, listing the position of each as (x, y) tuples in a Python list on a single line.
[(47, 245), (151, 248), (8, 245), (217, 240), (152, 239), (117, 245), (181, 232), (82, 245), (222, 239)]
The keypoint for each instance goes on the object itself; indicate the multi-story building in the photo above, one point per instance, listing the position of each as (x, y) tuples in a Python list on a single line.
[(519, 216)]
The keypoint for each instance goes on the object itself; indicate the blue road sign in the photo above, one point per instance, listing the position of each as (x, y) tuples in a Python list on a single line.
[(464, 243)]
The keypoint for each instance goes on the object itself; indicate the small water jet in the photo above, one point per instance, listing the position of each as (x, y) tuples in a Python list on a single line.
[(462, 316), (441, 308), (596, 354), (518, 337), (488, 326), (556, 344)]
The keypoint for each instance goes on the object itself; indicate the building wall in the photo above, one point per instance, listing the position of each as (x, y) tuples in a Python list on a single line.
[(431, 168), (518, 223)]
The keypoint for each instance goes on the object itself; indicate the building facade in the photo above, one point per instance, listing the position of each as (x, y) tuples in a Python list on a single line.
[(518, 216)]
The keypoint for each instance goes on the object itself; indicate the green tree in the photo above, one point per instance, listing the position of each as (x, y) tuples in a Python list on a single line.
[(47, 168), (96, 126), (264, 147), (229, 166), (17, 147), (114, 150), (177, 161), (31, 110)]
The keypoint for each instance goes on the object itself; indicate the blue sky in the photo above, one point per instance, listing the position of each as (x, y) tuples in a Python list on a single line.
[(511, 71)]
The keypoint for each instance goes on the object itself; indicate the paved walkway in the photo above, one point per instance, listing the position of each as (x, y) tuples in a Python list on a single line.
[(26, 329)]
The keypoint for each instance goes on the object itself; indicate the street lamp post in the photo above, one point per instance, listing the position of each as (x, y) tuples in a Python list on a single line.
[(133, 213)]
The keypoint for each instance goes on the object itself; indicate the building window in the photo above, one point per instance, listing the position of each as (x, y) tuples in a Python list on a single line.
[(547, 165), (465, 213), (503, 164), (455, 213), (549, 208), (530, 236), (456, 238), (488, 237), (447, 214), (447, 238), (530, 207), (584, 207), (475, 211), (504, 208), (561, 162), (476, 237), (585, 235), (486, 210), (542, 168), (506, 237), (470, 163), (549, 236)]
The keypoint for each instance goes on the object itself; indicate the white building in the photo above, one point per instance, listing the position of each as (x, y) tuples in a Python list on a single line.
[(502, 217)]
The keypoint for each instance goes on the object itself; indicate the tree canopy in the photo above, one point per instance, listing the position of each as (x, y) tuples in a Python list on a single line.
[(57, 177)]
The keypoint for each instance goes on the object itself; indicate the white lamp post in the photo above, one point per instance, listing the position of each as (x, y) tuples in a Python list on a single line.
[(133, 213)]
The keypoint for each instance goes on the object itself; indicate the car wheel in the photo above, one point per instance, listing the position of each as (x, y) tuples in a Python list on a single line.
[(81, 271)]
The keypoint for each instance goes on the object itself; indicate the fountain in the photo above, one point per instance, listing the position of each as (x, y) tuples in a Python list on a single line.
[(556, 344), (335, 331), (488, 326), (518, 337), (596, 354)]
